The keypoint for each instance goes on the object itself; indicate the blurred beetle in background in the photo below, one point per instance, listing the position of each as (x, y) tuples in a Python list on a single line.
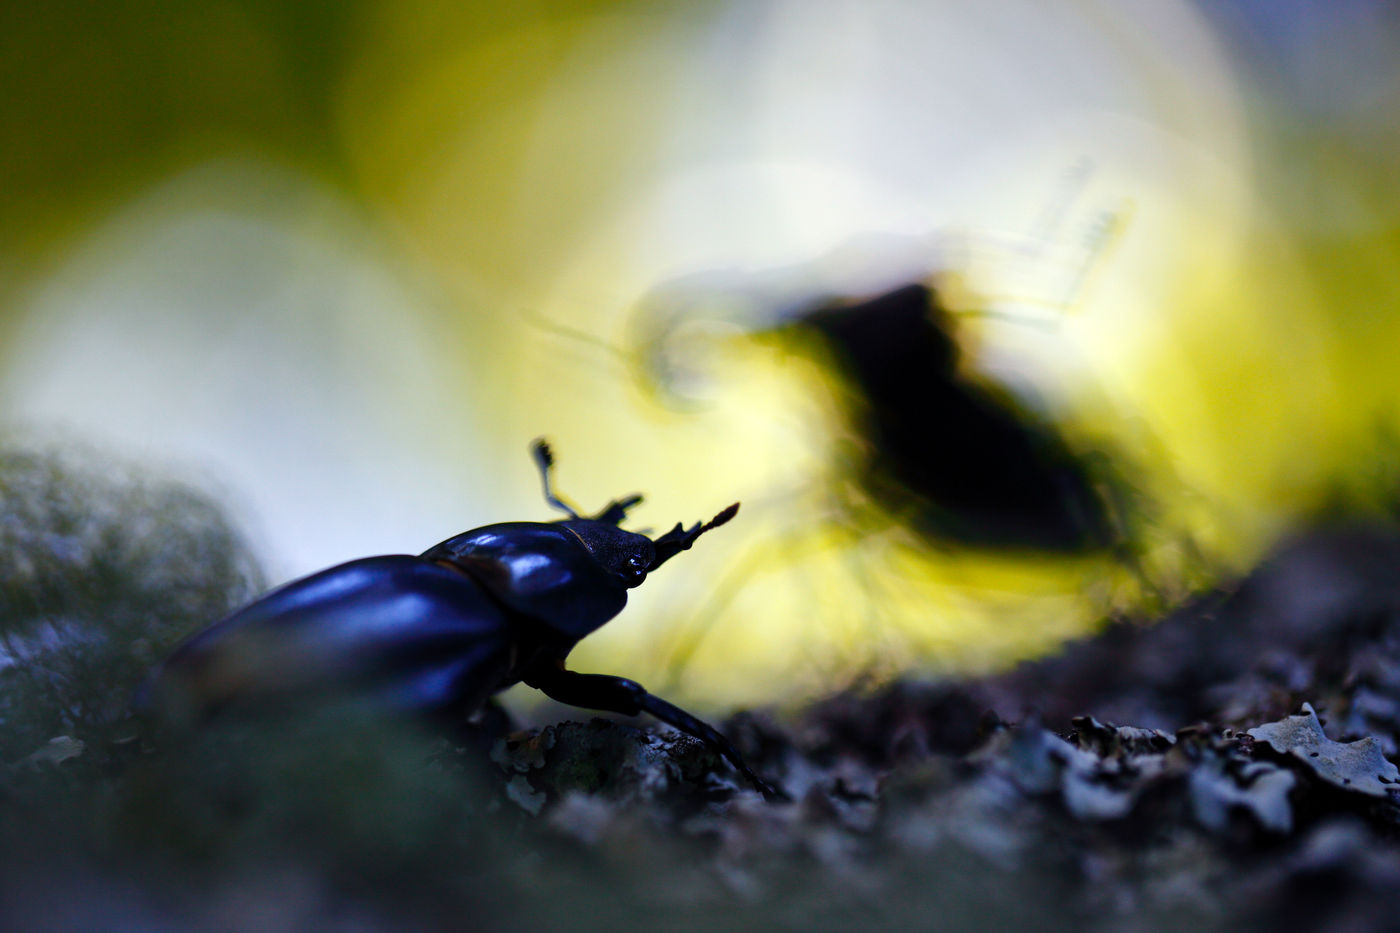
[(916, 445), (440, 633), (935, 472), (959, 459)]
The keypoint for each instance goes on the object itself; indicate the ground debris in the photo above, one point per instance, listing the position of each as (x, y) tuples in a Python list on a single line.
[(1224, 800), (1135, 821), (53, 753), (1167, 777), (1358, 767), (1221, 785)]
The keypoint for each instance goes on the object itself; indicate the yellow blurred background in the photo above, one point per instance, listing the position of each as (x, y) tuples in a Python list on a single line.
[(342, 262)]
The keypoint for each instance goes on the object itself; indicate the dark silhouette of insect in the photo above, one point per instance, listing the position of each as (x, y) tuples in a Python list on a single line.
[(440, 633), (918, 442), (959, 460)]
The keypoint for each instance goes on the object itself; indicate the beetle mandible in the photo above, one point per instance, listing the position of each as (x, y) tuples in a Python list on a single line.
[(439, 633)]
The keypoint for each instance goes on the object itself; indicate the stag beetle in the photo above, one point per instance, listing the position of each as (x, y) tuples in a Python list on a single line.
[(439, 633), (980, 468), (958, 459)]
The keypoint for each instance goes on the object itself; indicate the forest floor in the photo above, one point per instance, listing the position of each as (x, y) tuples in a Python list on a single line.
[(1228, 767)]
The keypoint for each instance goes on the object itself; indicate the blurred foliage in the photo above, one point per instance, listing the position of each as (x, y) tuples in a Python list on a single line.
[(99, 100), (380, 228), (103, 566)]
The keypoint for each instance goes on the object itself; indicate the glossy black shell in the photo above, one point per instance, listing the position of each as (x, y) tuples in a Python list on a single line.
[(403, 632), (572, 575), (437, 632)]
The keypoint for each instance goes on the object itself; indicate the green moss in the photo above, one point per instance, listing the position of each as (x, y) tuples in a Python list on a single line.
[(103, 567)]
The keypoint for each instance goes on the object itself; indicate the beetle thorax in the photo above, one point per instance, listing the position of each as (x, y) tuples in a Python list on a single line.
[(623, 553), (545, 571)]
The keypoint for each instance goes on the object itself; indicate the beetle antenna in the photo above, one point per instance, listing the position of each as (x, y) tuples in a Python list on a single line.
[(575, 334), (680, 539), (544, 459)]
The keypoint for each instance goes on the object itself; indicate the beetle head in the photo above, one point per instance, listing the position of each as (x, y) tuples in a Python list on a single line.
[(572, 574), (630, 556), (627, 555)]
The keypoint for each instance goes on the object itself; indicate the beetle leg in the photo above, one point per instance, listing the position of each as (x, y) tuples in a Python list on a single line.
[(544, 460), (616, 511), (620, 695)]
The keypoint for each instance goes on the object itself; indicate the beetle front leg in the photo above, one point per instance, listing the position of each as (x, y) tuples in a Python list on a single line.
[(620, 695)]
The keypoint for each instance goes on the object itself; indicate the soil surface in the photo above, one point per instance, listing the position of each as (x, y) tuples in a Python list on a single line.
[(1228, 767)]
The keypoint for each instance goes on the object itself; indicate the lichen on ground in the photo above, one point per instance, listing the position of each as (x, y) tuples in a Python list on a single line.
[(1223, 769)]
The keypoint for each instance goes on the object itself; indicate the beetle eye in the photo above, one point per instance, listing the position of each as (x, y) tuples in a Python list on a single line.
[(635, 571)]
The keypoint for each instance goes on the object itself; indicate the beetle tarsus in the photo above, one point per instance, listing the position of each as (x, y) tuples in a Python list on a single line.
[(544, 459), (627, 697), (675, 716)]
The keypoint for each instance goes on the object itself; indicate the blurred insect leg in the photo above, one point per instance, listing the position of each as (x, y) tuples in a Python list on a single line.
[(879, 636), (1124, 512), (620, 695), (777, 552), (688, 638), (866, 527)]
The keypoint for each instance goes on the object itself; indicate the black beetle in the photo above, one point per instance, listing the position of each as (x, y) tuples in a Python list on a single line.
[(976, 466), (924, 444), (439, 633), (955, 458)]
